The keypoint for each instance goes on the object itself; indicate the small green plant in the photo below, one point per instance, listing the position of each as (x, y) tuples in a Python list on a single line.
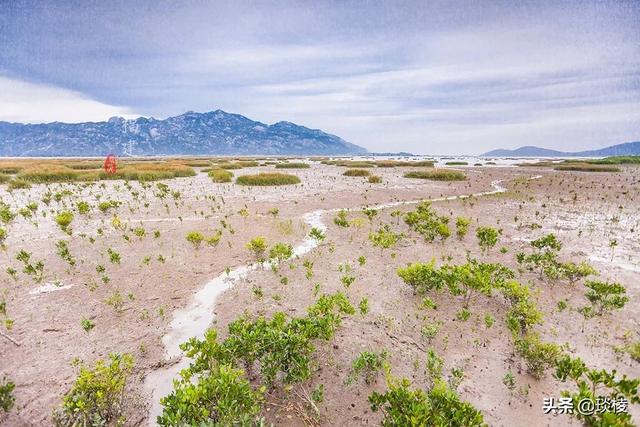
[(6, 394), (384, 238), (87, 324), (430, 330), (341, 219), (367, 365), (462, 226), (538, 355), (604, 297), (487, 237), (509, 380), (195, 238), (317, 234), (363, 306), (114, 256), (116, 301), (280, 252), (63, 219), (83, 207), (596, 385), (440, 406), (426, 222), (96, 398), (489, 320), (463, 314), (257, 246), (64, 253)]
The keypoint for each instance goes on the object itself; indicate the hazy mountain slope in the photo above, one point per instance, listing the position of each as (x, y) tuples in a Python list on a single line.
[(215, 132), (626, 149)]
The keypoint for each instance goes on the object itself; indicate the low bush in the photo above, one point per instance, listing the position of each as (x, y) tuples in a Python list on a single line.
[(267, 179), (583, 167), (220, 175), (487, 237), (214, 389), (292, 165), (96, 398), (437, 175), (596, 386), (375, 179), (440, 406), (428, 223), (368, 364), (6, 394), (18, 184), (356, 172), (538, 355)]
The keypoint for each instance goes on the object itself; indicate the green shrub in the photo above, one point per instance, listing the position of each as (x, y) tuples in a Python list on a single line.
[(341, 219), (63, 219), (462, 226), (616, 160), (487, 237), (195, 238), (6, 215), (604, 296), (257, 246), (427, 223), (96, 398), (108, 204), (356, 172), (18, 184), (384, 238), (440, 406), (292, 165), (574, 272), (220, 395), (83, 207), (538, 355), (422, 277), (267, 179), (374, 179), (220, 175), (368, 364), (595, 386), (437, 175), (456, 163), (6, 394), (281, 252), (582, 167)]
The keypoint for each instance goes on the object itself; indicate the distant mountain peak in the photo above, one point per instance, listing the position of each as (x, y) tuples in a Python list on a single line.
[(625, 149), (191, 133)]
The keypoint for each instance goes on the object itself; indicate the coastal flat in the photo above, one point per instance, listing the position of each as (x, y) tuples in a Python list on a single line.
[(132, 310)]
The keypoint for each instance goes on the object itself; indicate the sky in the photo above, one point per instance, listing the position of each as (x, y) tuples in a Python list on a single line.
[(429, 77)]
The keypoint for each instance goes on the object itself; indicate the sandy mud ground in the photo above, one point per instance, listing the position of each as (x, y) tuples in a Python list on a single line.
[(131, 302)]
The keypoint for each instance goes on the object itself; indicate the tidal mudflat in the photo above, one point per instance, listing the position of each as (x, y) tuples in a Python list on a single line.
[(481, 283)]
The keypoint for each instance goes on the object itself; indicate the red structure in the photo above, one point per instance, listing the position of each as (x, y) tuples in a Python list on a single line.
[(110, 164)]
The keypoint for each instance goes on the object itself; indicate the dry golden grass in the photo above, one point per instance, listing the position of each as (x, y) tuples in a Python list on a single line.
[(46, 171)]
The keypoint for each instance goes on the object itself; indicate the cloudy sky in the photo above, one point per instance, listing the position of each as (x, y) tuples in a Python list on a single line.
[(422, 76)]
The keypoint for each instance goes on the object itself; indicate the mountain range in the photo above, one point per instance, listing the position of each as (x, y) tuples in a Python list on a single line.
[(626, 149), (211, 133)]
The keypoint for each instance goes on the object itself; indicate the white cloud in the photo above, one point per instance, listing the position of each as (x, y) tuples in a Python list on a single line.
[(35, 103)]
